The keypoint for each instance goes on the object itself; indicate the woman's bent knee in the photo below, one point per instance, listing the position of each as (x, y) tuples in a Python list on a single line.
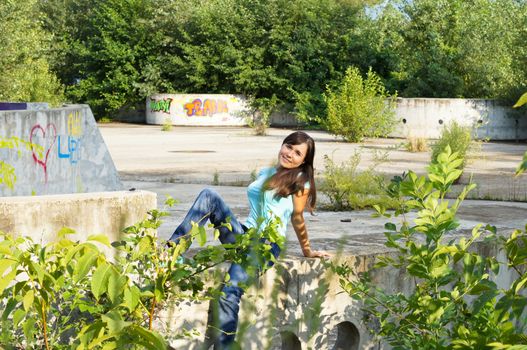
[(208, 192)]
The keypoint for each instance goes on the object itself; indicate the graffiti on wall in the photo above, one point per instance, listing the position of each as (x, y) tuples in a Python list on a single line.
[(44, 136), (69, 145), (207, 108), (160, 105)]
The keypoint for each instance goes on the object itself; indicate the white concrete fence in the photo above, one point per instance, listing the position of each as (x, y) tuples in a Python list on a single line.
[(417, 117)]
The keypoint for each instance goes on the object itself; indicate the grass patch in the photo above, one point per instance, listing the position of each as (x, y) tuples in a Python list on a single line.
[(416, 144)]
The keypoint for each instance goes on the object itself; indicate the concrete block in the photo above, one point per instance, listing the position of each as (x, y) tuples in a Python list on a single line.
[(41, 217), (73, 156)]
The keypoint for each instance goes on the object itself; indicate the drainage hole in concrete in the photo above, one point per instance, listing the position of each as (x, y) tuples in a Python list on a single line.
[(290, 341), (348, 337)]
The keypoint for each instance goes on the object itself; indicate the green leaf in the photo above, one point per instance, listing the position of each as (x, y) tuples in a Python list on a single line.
[(521, 101), (101, 239), (11, 304), (202, 236), (29, 327), (99, 280), (6, 248), (114, 321), (18, 316), (84, 264), (520, 284), (150, 340), (436, 178), (5, 280), (38, 270), (131, 298), (5, 264), (28, 299), (116, 285), (453, 175), (64, 243), (63, 232), (390, 226)]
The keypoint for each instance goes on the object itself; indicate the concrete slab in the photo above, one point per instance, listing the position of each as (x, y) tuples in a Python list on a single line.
[(356, 232), (229, 155)]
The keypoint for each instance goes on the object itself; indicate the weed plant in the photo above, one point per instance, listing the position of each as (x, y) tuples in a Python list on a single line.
[(458, 138), (104, 120), (454, 301), (167, 125), (348, 188), (416, 144)]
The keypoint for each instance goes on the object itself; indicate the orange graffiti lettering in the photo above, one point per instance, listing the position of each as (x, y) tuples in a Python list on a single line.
[(208, 108)]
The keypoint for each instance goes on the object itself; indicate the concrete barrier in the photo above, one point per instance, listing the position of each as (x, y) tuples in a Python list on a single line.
[(55, 151), (299, 305), (196, 109), (41, 217), (425, 117), (417, 117)]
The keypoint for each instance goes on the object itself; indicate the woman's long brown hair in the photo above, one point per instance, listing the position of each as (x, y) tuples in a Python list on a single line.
[(290, 181)]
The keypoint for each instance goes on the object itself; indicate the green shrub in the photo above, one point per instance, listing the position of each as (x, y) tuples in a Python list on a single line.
[(454, 302), (457, 137), (348, 188), (259, 115), (104, 120), (360, 107), (69, 295), (167, 125)]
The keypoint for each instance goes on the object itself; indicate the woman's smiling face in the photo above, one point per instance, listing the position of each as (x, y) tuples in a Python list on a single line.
[(292, 156)]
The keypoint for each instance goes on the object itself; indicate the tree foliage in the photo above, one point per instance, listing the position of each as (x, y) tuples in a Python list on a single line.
[(455, 48), (24, 61), (113, 53)]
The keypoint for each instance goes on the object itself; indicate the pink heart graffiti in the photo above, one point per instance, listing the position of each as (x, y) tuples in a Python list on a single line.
[(46, 133)]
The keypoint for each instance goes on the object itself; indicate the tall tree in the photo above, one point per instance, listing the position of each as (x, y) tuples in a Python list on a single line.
[(454, 48), (24, 48)]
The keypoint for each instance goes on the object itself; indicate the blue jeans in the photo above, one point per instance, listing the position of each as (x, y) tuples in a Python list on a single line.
[(209, 206)]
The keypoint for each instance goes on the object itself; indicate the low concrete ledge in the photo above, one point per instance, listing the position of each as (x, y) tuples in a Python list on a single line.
[(41, 217), (299, 305)]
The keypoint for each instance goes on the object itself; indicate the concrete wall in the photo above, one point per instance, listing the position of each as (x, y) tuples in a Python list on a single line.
[(195, 109), (281, 312), (418, 117), (73, 156), (425, 117), (41, 217)]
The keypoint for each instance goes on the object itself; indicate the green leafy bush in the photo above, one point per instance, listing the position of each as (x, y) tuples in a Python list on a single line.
[(348, 188), (457, 137), (360, 107), (259, 115), (455, 303), (69, 295)]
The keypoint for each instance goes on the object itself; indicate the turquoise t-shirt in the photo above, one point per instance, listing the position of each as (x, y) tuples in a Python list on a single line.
[(266, 205)]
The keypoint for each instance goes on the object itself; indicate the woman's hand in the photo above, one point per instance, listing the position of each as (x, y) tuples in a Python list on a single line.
[(316, 254)]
